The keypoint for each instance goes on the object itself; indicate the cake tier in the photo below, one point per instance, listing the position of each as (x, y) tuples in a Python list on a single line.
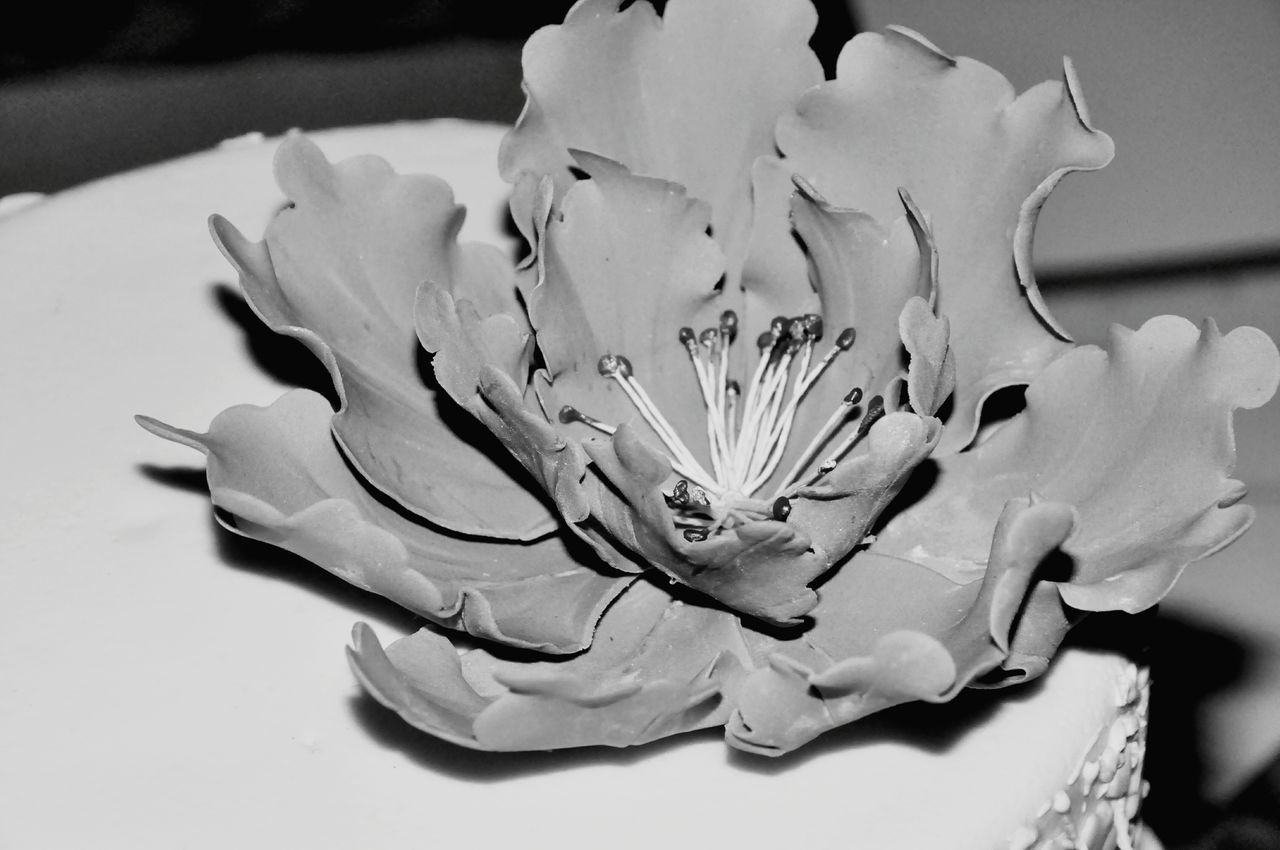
[(169, 685)]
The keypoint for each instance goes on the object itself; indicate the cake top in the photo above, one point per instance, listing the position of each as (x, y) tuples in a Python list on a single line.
[(715, 452)]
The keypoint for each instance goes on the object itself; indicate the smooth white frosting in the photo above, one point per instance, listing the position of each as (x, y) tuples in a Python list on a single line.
[(167, 686)]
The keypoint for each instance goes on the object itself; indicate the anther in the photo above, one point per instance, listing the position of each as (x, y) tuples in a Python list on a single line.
[(709, 337), (765, 341), (845, 341), (778, 326), (854, 396), (781, 508), (812, 326), (695, 535), (687, 337), (732, 387), (729, 324), (614, 365), (875, 411)]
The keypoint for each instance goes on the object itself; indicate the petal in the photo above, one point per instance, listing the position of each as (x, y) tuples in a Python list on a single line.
[(339, 269), (626, 264), (838, 510), (888, 631), (864, 275), (978, 161), (927, 339), (1138, 439), (691, 96), (762, 569), (657, 668), (278, 474), (481, 363)]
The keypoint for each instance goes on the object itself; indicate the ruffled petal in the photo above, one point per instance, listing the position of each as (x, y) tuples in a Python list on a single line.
[(658, 667), (916, 636), (1138, 439), (978, 161), (338, 269), (691, 96), (278, 475), (761, 569), (626, 263)]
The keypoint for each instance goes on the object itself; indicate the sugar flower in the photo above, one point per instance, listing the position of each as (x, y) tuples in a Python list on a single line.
[(713, 454)]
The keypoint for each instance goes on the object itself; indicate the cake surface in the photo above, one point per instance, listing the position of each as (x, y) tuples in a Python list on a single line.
[(169, 685)]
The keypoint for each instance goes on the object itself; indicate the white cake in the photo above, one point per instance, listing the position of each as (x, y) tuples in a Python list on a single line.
[(167, 685)]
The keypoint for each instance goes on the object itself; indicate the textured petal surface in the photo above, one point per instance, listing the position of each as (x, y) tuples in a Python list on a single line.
[(1138, 439), (658, 667), (916, 636), (277, 473), (691, 96), (627, 263), (339, 270), (978, 161)]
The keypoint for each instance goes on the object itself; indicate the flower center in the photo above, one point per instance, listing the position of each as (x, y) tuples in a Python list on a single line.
[(747, 433)]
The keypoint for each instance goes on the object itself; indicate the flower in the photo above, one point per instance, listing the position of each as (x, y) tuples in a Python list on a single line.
[(714, 453)]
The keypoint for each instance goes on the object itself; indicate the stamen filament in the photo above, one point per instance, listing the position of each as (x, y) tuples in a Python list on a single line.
[(833, 423)]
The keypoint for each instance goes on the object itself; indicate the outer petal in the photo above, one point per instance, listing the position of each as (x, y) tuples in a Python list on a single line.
[(690, 97), (277, 473), (979, 161), (1137, 439), (625, 265), (657, 668), (914, 636), (338, 269)]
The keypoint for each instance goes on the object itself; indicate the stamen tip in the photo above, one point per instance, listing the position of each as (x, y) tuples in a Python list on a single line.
[(729, 324), (813, 326), (781, 508), (846, 339), (687, 337), (854, 396), (569, 413), (695, 535)]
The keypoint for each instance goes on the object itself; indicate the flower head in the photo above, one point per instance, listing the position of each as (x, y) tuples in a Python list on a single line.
[(664, 457)]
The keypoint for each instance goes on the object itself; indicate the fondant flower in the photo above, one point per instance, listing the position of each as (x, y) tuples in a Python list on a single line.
[(712, 454)]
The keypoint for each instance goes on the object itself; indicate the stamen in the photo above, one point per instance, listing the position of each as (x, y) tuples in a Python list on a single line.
[(747, 431), (569, 414), (875, 411), (833, 423), (618, 368)]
